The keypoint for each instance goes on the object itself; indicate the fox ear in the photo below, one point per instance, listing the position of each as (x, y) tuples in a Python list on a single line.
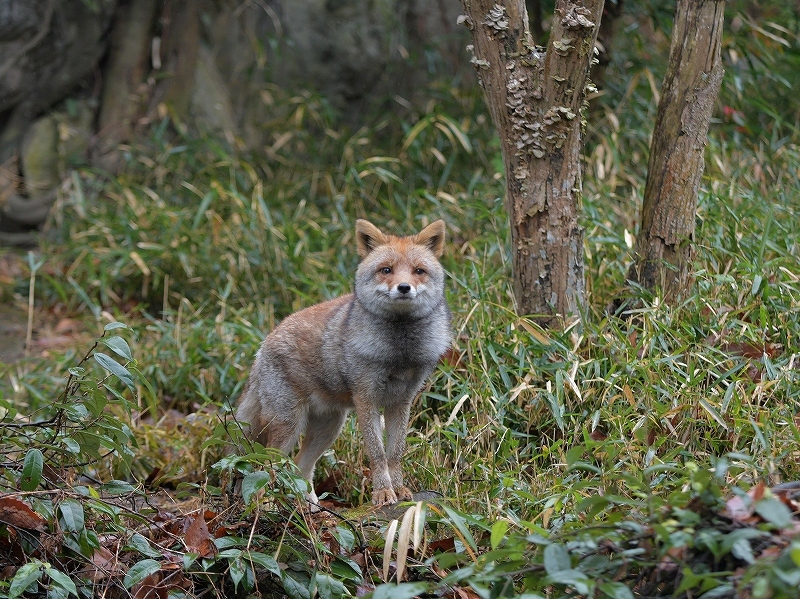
[(432, 236), (368, 237)]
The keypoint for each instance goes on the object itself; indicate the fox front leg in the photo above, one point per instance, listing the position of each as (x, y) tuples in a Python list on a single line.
[(396, 417), (369, 421)]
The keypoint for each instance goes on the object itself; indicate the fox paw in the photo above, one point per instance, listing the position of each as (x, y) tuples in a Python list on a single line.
[(404, 494), (383, 497)]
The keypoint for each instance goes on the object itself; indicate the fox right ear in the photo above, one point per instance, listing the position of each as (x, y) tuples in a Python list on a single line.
[(368, 237)]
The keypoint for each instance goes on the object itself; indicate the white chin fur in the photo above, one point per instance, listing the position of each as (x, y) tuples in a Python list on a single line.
[(396, 295)]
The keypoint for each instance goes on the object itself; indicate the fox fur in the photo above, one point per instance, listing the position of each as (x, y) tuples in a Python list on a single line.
[(368, 351)]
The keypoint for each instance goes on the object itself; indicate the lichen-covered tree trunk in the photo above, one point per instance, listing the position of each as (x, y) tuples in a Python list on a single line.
[(535, 99), (664, 249)]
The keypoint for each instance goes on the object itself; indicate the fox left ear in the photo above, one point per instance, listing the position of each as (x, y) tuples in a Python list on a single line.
[(432, 236), (368, 237)]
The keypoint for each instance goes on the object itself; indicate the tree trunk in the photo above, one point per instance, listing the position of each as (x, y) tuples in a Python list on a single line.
[(535, 100), (664, 248)]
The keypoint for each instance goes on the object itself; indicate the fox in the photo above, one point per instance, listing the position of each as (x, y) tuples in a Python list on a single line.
[(368, 351)]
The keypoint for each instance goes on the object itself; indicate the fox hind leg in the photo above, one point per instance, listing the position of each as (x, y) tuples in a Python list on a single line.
[(321, 431)]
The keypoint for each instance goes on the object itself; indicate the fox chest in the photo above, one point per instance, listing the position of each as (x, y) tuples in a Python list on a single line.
[(400, 349)]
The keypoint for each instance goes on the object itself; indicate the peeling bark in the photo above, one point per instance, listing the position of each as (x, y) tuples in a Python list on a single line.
[(664, 250), (535, 98)]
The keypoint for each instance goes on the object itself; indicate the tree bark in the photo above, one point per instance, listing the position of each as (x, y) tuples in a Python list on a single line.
[(128, 64), (535, 99), (664, 250)]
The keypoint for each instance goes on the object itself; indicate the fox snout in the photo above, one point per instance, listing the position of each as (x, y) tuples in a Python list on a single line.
[(403, 291)]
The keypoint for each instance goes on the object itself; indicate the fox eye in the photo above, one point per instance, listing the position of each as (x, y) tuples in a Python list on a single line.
[(387, 270), (419, 271)]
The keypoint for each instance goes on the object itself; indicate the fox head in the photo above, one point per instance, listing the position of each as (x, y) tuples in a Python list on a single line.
[(400, 277)]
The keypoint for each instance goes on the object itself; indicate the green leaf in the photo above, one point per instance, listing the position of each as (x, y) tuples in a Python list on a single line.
[(343, 568), (498, 533), (253, 483), (25, 577), (142, 545), (139, 571), (119, 346), (293, 588), (237, 571), (616, 590), (117, 487), (329, 588), (113, 326), (72, 517), (62, 580), (723, 590), (460, 524), (774, 511), (574, 578), (794, 552), (115, 368), (556, 558), (31, 470), (405, 590)]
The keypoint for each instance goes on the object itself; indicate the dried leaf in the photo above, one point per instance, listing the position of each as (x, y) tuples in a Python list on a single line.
[(443, 545), (403, 538), (737, 510), (387, 549), (198, 539), (19, 514)]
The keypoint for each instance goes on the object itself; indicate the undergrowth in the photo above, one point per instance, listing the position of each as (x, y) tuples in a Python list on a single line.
[(624, 456)]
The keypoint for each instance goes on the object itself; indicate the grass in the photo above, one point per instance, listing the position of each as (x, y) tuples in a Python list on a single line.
[(201, 250)]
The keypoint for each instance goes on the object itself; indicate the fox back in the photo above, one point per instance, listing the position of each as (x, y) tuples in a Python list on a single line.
[(370, 350)]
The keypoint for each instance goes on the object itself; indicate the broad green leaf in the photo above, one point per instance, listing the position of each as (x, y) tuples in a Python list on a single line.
[(344, 568), (616, 590), (794, 552), (556, 558), (575, 578), (119, 346), (60, 579), (25, 577), (72, 517), (31, 470), (253, 483), (118, 487), (115, 368), (498, 533), (112, 326), (774, 511), (142, 545), (293, 588), (460, 524), (329, 588), (723, 590), (405, 590), (139, 571), (262, 559), (237, 571)]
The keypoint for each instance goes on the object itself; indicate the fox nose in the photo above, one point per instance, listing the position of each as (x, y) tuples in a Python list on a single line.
[(404, 287)]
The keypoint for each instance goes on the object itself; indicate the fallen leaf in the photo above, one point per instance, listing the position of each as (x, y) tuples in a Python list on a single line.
[(19, 514), (104, 565), (67, 325), (198, 539), (737, 510), (465, 593), (756, 492), (159, 584), (443, 545)]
